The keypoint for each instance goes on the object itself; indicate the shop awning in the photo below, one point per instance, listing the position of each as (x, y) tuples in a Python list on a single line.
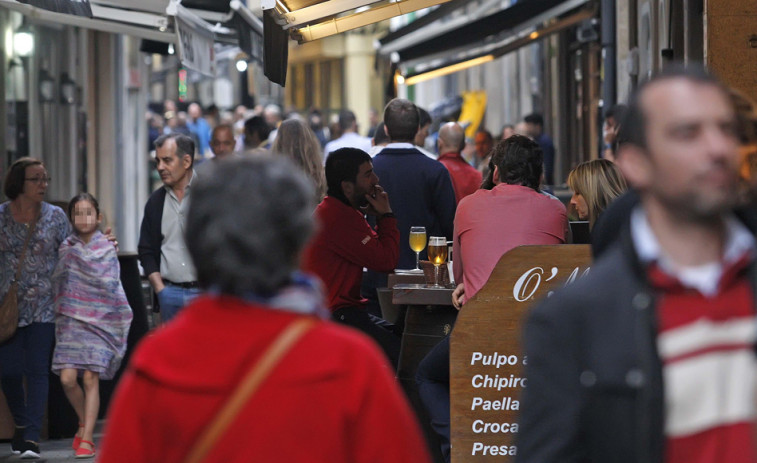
[(307, 20), (447, 17), (452, 46), (203, 22)]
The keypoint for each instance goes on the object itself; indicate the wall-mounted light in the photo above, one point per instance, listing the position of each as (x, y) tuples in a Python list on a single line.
[(399, 78), (412, 80), (23, 41), (67, 89), (241, 65), (46, 87)]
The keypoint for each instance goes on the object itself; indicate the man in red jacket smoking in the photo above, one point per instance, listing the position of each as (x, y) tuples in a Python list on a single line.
[(346, 243)]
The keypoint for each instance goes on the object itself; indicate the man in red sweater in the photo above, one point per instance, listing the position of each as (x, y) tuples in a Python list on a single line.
[(465, 178), (346, 243)]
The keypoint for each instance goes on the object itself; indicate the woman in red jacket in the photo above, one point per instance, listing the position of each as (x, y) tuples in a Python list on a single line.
[(329, 396)]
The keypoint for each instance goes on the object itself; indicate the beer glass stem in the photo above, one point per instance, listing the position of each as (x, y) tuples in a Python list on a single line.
[(436, 275), (417, 260)]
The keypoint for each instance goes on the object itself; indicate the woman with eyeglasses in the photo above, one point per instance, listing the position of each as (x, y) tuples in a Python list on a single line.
[(27, 353)]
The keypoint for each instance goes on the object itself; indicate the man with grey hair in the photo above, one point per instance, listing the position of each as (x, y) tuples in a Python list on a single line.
[(162, 250), (350, 137), (465, 178), (330, 388)]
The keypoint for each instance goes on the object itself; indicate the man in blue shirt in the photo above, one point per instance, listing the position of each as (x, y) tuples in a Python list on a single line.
[(199, 128)]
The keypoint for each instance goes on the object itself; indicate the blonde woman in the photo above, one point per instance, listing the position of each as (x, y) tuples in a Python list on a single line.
[(595, 184), (298, 142)]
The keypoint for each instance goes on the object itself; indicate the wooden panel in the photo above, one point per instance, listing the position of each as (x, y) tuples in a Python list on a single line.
[(485, 352), (731, 51), (732, 7)]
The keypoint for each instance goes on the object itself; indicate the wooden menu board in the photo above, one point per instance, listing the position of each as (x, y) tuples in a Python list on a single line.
[(485, 353)]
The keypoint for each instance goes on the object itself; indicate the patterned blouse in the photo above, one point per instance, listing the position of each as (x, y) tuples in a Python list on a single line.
[(35, 291)]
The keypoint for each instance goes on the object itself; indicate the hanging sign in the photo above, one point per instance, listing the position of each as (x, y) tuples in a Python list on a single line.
[(75, 7), (196, 50)]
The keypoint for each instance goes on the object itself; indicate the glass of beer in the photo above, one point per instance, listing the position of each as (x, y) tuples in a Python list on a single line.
[(417, 243), (437, 254)]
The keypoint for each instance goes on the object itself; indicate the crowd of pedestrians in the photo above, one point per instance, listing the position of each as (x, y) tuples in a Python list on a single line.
[(267, 228)]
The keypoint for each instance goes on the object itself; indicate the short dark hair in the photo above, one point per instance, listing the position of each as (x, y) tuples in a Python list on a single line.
[(633, 126), (424, 118), (256, 125), (82, 197), (343, 165), (16, 176), (520, 161), (617, 112), (487, 134), (346, 119), (379, 136), (534, 118), (184, 144), (402, 120)]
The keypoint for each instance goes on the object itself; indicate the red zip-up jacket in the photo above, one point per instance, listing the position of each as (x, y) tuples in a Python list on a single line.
[(344, 244)]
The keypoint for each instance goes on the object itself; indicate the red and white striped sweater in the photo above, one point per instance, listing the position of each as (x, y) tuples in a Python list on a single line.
[(706, 337)]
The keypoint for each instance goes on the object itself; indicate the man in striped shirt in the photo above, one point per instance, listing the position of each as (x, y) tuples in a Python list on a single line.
[(651, 357)]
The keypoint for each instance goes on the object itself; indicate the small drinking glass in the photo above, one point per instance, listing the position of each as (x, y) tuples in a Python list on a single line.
[(417, 243), (437, 254)]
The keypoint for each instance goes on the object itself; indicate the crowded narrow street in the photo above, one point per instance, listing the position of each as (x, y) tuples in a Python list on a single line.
[(363, 231)]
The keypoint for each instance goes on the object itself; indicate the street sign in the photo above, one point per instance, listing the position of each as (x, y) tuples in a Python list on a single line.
[(196, 50)]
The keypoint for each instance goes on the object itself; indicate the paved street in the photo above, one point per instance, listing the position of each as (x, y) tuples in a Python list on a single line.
[(53, 451)]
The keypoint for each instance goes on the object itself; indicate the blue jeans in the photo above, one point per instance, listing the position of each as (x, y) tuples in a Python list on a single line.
[(432, 378), (174, 298), (27, 353)]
